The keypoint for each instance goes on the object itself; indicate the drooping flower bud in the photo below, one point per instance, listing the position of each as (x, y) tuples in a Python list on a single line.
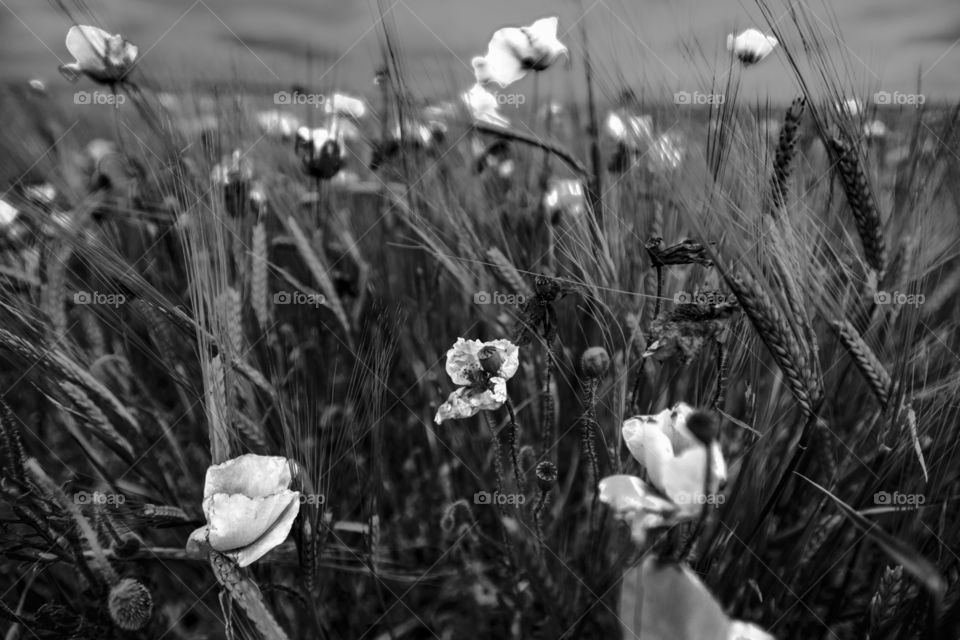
[(130, 604), (595, 362)]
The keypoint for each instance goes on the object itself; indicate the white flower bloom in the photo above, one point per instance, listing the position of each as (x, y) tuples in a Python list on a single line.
[(102, 57), (232, 169), (8, 214), (481, 389), (636, 132), (875, 129), (635, 502), (513, 51), (851, 106), (565, 195), (674, 458), (277, 123), (751, 46), (483, 106), (344, 105), (249, 507), (740, 630)]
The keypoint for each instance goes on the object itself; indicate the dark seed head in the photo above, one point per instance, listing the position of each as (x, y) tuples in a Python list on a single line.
[(130, 604), (546, 475), (490, 360), (595, 362), (703, 425)]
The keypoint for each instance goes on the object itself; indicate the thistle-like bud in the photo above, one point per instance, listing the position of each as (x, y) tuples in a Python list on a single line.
[(130, 604), (546, 475), (703, 425), (595, 362), (490, 360)]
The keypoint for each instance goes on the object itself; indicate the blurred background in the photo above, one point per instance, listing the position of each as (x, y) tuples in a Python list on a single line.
[(655, 44)]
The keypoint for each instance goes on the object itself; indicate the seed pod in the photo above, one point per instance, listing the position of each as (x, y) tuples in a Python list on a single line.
[(130, 604), (595, 362), (546, 475)]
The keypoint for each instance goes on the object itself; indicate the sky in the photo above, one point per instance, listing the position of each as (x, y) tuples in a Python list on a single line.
[(653, 46)]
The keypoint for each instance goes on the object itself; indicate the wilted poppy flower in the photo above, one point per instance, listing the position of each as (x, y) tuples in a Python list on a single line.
[(249, 507), (481, 369), (276, 123), (751, 46), (513, 51), (100, 56), (674, 458), (564, 196), (483, 106)]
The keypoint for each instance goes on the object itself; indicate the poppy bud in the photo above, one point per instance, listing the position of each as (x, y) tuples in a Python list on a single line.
[(130, 604), (703, 426), (595, 362), (490, 360)]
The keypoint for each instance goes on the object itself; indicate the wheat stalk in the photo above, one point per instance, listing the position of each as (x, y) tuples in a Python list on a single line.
[(509, 273), (856, 186), (259, 276), (866, 361), (786, 150)]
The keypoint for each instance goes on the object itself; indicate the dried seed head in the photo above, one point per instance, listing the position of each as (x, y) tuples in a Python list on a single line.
[(130, 604), (546, 475), (490, 360), (595, 362), (703, 425)]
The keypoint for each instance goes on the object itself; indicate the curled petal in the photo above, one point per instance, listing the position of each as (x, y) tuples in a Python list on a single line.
[(236, 521), (462, 361), (740, 630), (637, 504), (251, 475), (271, 538), (649, 444), (468, 401)]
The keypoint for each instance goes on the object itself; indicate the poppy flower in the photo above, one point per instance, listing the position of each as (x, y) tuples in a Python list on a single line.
[(321, 151), (104, 58), (513, 51), (564, 196), (751, 46), (481, 370), (343, 105), (249, 507), (483, 106), (675, 459)]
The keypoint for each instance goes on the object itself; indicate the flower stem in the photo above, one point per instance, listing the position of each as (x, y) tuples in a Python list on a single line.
[(515, 446)]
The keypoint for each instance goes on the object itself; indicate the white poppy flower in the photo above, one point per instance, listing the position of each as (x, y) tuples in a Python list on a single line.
[(636, 132), (249, 507), (276, 123), (851, 106), (344, 105), (481, 369), (566, 196), (740, 630), (102, 57), (513, 51), (638, 504), (875, 129), (483, 106), (751, 46), (8, 214), (321, 151), (232, 169), (674, 458)]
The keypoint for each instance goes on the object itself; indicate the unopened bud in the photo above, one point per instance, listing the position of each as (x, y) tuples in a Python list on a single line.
[(595, 362)]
